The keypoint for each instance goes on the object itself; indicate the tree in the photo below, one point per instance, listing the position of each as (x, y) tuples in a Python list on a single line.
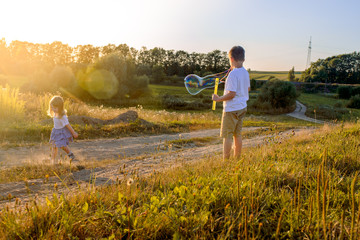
[(4, 56), (123, 50), (213, 60), (124, 71), (291, 75), (343, 68), (116, 65), (87, 53), (158, 74), (57, 53), (108, 49)]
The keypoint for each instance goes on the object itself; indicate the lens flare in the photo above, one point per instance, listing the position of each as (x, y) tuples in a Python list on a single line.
[(195, 84), (101, 84)]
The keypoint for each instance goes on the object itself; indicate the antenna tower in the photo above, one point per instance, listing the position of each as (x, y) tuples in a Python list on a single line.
[(308, 61)]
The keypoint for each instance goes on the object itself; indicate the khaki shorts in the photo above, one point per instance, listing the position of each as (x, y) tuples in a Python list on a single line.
[(231, 123)]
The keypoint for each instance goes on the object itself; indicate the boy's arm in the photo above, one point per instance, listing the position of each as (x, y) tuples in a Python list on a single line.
[(225, 97), (68, 126)]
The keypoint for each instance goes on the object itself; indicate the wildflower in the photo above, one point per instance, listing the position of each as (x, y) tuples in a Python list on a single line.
[(130, 181)]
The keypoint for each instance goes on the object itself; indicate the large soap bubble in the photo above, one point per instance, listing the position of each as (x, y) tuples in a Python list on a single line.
[(195, 84)]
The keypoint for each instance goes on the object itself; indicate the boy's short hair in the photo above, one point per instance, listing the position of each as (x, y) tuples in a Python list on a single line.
[(237, 53)]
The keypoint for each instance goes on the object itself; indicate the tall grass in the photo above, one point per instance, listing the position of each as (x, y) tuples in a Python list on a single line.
[(32, 123), (11, 107), (275, 191)]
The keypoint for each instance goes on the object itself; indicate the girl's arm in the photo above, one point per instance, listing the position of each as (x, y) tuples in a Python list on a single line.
[(68, 126)]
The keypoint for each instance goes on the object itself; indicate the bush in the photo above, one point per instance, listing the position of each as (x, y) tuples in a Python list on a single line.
[(158, 74), (101, 84), (176, 80), (39, 82), (116, 65), (354, 102), (279, 94), (344, 92), (253, 84), (139, 86), (174, 102), (62, 77), (3, 80), (355, 91), (328, 112), (338, 104)]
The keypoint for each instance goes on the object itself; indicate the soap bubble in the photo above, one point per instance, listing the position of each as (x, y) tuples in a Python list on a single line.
[(195, 84)]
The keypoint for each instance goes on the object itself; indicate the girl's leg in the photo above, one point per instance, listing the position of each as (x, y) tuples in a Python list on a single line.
[(66, 149), (54, 153), (69, 153)]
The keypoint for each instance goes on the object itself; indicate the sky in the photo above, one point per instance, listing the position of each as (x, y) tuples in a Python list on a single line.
[(274, 33)]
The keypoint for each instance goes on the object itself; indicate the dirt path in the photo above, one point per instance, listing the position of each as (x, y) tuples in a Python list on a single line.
[(143, 155), (300, 113), (101, 149)]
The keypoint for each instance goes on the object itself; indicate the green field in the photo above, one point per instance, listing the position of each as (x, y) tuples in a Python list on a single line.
[(326, 106), (265, 75)]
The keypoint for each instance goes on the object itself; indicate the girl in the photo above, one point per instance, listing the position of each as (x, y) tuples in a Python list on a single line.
[(62, 133)]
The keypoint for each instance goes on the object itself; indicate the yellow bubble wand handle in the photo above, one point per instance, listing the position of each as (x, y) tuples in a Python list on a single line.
[(215, 92)]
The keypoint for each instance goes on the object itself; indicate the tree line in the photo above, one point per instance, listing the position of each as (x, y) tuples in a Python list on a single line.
[(344, 68), (23, 58)]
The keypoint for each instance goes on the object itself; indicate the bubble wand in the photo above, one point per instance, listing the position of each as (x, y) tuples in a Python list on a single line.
[(215, 92)]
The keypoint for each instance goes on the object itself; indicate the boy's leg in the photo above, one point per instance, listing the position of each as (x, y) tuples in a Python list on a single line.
[(237, 135), (227, 144), (226, 128), (237, 145)]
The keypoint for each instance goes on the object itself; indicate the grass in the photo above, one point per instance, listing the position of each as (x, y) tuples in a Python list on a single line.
[(273, 191), (33, 125), (14, 80), (11, 107), (265, 75), (34, 171), (328, 107)]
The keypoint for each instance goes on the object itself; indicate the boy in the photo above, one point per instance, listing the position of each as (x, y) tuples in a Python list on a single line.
[(236, 94)]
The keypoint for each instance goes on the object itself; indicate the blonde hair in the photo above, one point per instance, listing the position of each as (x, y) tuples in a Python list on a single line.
[(58, 102)]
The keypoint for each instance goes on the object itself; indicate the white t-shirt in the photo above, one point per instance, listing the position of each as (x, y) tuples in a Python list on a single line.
[(60, 122), (237, 81)]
